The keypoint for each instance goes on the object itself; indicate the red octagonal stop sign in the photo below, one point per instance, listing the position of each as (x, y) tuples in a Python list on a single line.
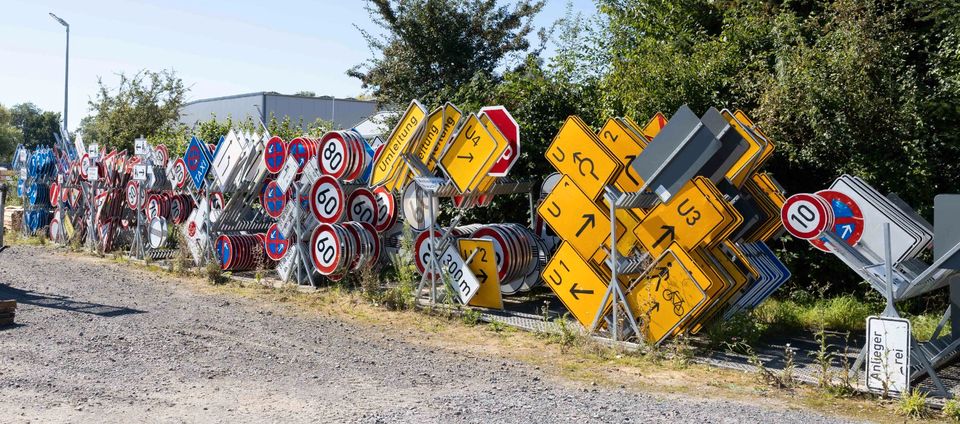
[(501, 117)]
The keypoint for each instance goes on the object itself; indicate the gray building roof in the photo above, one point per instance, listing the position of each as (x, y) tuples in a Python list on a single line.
[(344, 112)]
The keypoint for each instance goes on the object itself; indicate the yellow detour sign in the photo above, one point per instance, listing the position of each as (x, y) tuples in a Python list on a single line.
[(666, 295), (695, 216), (577, 153), (625, 146), (470, 155), (428, 147), (438, 134), (576, 219), (576, 283), (68, 226), (484, 267), (769, 197), (732, 271), (486, 182), (748, 123), (688, 218), (744, 166), (654, 126), (390, 161)]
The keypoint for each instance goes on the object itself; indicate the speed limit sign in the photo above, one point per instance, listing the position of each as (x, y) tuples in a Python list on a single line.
[(325, 249), (326, 200), (362, 206), (806, 216)]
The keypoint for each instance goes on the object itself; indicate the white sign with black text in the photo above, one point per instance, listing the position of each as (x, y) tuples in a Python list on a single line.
[(888, 355)]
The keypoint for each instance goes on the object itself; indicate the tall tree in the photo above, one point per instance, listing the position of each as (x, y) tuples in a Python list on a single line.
[(145, 104), (429, 48), (10, 135), (36, 125)]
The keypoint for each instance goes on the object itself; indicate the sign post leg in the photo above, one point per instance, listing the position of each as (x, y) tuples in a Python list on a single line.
[(3, 201)]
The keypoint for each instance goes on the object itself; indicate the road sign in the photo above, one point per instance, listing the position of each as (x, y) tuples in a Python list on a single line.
[(286, 263), (160, 155), (389, 161), (226, 158), (419, 210), (197, 161), (274, 200), (888, 355), (577, 153), (275, 155), (667, 294), (806, 216), (847, 219), (676, 154), (576, 219), (692, 217), (178, 173), (158, 232), (437, 136), (626, 146), (139, 173), (470, 155), (386, 209), (327, 200), (484, 267), (362, 206), (140, 146), (654, 126), (462, 280), (287, 174), (578, 285), (276, 244), (325, 249), (133, 195), (510, 129)]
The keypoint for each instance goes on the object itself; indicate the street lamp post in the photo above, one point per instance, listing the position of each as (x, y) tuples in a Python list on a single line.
[(66, 71)]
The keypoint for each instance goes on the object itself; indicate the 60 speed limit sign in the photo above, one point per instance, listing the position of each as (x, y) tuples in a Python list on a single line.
[(806, 216)]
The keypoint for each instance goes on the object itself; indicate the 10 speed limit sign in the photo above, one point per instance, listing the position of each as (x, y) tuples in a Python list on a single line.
[(806, 216)]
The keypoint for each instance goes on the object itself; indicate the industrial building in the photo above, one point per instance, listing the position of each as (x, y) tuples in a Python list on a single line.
[(345, 112)]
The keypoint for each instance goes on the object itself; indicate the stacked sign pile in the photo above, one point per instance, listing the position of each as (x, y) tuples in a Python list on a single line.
[(690, 217), (38, 173), (464, 157)]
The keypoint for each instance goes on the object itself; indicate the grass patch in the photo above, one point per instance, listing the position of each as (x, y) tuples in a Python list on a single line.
[(844, 313)]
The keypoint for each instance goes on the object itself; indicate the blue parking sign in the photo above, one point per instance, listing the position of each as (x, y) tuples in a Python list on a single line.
[(197, 159)]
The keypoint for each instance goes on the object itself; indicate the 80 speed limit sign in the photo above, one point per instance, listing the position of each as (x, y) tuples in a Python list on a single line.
[(806, 216)]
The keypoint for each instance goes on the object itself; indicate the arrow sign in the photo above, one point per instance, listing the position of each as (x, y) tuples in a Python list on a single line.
[(574, 292), (510, 129), (589, 219), (668, 231), (469, 157)]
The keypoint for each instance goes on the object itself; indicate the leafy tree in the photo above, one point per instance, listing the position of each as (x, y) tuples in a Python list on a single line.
[(10, 135), (430, 48), (36, 125), (145, 104)]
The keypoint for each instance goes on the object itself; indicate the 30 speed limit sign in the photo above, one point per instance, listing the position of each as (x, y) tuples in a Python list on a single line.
[(806, 216)]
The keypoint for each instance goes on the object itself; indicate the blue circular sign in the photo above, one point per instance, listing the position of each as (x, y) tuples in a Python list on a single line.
[(276, 243)]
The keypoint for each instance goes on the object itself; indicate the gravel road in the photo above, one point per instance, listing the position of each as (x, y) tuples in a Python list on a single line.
[(102, 342)]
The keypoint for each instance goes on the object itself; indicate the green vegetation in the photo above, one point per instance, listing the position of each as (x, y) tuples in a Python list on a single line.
[(951, 409), (913, 405)]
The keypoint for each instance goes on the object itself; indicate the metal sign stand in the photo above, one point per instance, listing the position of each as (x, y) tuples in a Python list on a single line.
[(631, 265), (926, 355)]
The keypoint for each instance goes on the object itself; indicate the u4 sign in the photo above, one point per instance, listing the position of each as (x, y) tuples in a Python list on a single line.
[(508, 126)]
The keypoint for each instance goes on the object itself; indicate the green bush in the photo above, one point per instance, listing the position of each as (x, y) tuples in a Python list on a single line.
[(913, 405), (951, 409)]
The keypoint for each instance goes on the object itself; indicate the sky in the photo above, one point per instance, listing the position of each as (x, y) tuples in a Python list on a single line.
[(217, 48)]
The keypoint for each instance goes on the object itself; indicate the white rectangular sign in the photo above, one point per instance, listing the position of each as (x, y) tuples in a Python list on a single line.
[(285, 266), (464, 282), (228, 155), (888, 355), (93, 173), (287, 174), (93, 150), (140, 172), (140, 147), (286, 221)]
